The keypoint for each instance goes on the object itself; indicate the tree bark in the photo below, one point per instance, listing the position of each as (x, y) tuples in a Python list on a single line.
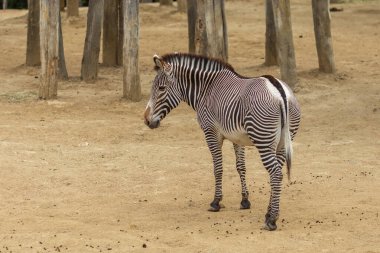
[(5, 4), (111, 49), (191, 21), (49, 30), (200, 37), (166, 2), (216, 29), (322, 31), (120, 33), (89, 71), (62, 71), (270, 36), (285, 47), (131, 75), (33, 54), (62, 5), (181, 5), (72, 8), (211, 29), (225, 34)]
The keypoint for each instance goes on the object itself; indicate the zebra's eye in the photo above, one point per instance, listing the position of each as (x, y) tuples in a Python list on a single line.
[(161, 88)]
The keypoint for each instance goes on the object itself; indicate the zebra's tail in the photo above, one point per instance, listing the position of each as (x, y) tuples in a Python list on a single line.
[(287, 142), (285, 139)]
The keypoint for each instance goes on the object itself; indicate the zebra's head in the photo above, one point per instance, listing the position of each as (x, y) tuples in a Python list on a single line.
[(164, 95)]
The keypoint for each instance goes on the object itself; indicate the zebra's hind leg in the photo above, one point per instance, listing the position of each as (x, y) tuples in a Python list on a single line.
[(214, 143), (240, 166), (273, 166), (281, 156)]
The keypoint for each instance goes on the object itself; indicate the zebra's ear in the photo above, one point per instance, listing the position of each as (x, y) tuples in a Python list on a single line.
[(158, 61), (161, 64)]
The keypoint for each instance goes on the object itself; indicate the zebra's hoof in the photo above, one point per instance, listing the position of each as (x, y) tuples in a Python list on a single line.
[(214, 209), (270, 223), (245, 204), (215, 206), (270, 226)]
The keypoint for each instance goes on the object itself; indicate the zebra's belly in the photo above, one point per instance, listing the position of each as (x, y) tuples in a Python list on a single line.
[(238, 137)]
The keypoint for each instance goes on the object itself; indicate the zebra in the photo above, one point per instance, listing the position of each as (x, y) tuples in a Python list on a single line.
[(261, 112)]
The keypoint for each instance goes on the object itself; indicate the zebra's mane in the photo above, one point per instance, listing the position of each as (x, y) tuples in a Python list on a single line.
[(193, 57)]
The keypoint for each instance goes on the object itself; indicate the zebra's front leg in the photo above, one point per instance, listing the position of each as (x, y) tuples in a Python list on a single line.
[(214, 143), (240, 167)]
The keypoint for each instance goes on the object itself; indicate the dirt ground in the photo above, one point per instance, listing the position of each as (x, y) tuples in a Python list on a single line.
[(83, 174)]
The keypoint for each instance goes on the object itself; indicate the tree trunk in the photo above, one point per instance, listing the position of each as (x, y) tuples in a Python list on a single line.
[(200, 29), (225, 35), (166, 2), (191, 21), (131, 75), (33, 54), (5, 4), (120, 33), (89, 71), (216, 29), (211, 29), (322, 31), (285, 47), (72, 8), (49, 30), (270, 36), (181, 5), (111, 33), (62, 5), (62, 71)]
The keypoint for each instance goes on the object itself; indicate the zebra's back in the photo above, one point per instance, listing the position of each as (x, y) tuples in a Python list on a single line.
[(233, 99)]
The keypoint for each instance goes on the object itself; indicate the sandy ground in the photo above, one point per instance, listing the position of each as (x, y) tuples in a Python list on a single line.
[(83, 174)]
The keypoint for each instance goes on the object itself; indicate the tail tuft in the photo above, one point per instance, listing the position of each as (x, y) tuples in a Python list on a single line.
[(288, 156), (288, 144)]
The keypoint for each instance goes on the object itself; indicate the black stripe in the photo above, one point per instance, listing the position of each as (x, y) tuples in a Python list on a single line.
[(278, 86)]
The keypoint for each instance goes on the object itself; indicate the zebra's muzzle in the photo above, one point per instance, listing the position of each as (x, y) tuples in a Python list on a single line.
[(152, 124)]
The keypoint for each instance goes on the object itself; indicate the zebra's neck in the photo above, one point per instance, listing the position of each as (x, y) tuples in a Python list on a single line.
[(194, 76)]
